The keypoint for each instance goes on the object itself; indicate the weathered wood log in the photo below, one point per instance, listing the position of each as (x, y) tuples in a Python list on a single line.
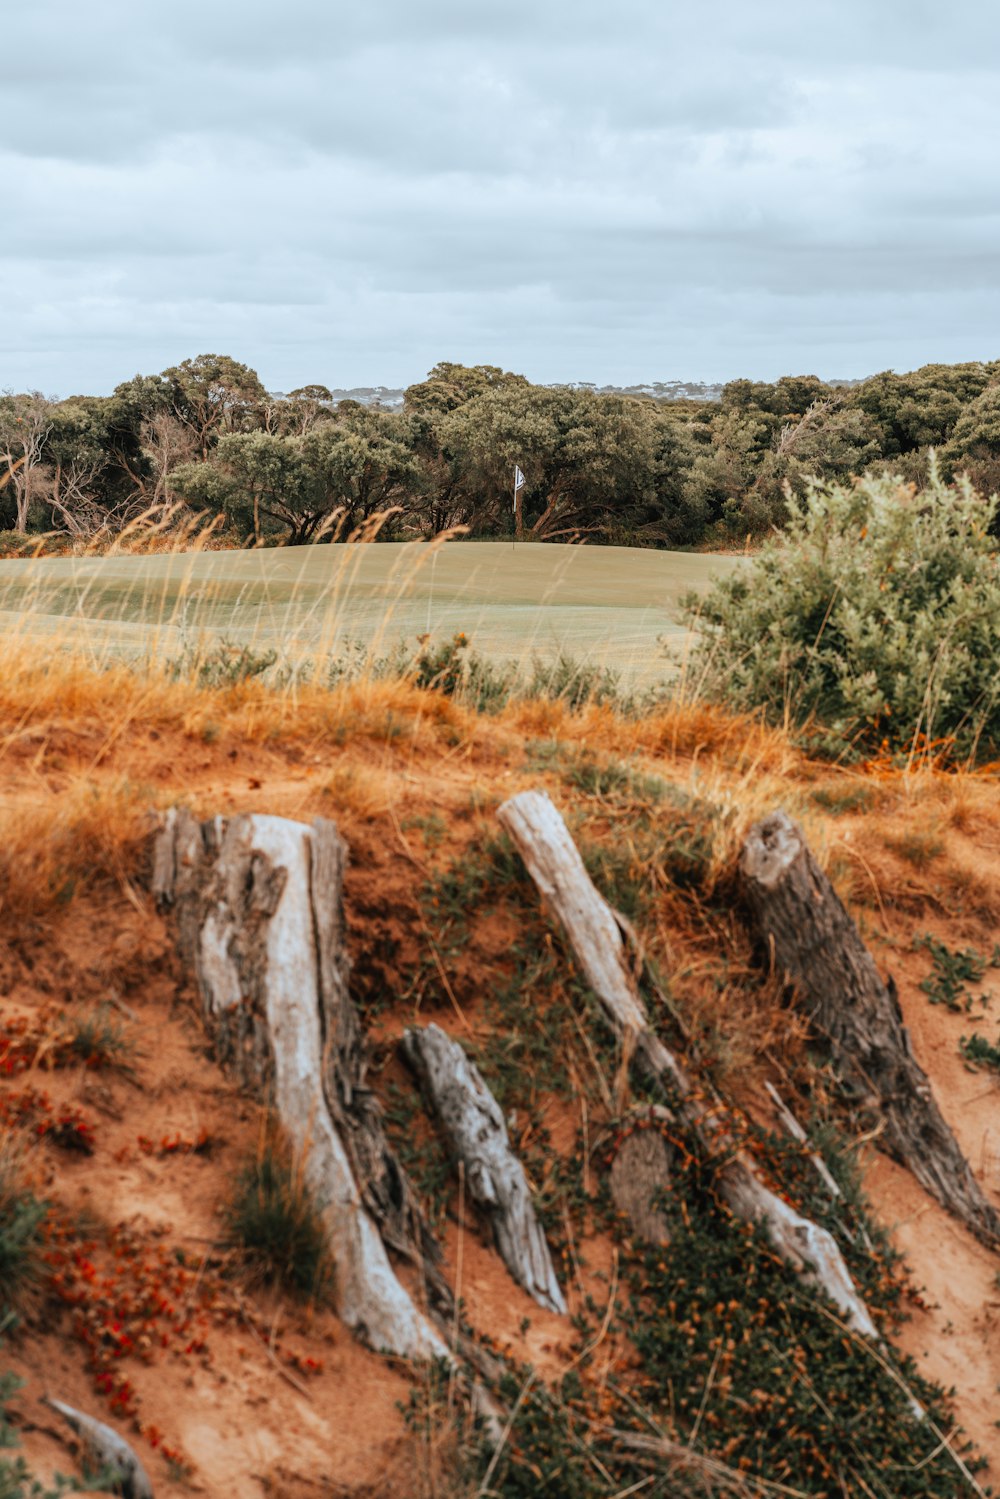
[(258, 904), (815, 946), (554, 863), (105, 1451), (476, 1132)]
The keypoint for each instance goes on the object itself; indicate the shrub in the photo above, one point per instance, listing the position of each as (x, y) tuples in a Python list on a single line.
[(874, 622), (21, 1217), (276, 1222)]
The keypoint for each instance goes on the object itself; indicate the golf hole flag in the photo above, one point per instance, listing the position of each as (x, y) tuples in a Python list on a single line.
[(518, 483)]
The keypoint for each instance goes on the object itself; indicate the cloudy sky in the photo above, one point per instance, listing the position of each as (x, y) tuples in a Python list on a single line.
[(612, 190)]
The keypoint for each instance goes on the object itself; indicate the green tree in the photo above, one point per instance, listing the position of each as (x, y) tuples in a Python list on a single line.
[(974, 447), (340, 474), (449, 386), (920, 409), (213, 395), (361, 465)]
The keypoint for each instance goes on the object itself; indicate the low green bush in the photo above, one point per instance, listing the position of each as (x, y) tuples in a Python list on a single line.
[(21, 1218), (873, 623), (276, 1222)]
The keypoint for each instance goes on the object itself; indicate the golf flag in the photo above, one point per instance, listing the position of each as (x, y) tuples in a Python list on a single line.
[(518, 483)]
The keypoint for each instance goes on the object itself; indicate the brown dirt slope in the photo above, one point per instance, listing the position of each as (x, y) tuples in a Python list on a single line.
[(145, 1315)]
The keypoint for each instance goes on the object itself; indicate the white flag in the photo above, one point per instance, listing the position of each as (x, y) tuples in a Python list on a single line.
[(518, 479)]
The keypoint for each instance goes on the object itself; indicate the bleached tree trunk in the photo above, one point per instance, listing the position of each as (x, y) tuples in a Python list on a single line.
[(815, 946), (477, 1136), (554, 863), (258, 903)]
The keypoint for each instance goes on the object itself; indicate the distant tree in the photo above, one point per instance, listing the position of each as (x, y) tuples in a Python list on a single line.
[(340, 473), (595, 465), (83, 497), (362, 464), (25, 425), (726, 469), (253, 478), (213, 395), (449, 386), (311, 393), (302, 410), (974, 447), (920, 409)]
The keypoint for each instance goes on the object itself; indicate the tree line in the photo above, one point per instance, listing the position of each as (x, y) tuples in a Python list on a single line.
[(206, 437)]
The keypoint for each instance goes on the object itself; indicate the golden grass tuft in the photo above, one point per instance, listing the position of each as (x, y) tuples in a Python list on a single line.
[(51, 848)]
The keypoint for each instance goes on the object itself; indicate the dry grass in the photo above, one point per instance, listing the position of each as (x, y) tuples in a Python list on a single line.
[(52, 848)]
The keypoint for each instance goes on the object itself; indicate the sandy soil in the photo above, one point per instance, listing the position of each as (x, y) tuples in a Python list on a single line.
[(245, 1411)]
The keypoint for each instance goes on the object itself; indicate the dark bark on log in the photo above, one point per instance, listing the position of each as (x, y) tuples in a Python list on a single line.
[(258, 910), (477, 1136), (815, 946), (553, 861)]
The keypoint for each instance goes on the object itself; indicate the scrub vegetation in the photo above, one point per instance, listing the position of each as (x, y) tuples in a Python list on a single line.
[(205, 438), (197, 1298)]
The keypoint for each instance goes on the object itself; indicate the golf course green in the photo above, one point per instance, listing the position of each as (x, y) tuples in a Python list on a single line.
[(614, 606)]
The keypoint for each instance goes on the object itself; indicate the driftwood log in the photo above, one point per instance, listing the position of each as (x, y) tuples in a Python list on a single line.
[(104, 1451), (554, 863), (815, 946), (258, 903), (476, 1132)]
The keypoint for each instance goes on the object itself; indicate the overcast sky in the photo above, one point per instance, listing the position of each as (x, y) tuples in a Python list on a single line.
[(612, 190)]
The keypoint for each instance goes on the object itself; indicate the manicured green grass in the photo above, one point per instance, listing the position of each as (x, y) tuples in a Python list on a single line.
[(608, 605)]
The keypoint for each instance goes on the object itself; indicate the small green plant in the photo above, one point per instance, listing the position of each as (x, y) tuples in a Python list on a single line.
[(99, 1040), (918, 848), (21, 1218), (275, 1220), (607, 779), (432, 827), (419, 1147), (843, 800), (224, 665), (979, 1052), (951, 972)]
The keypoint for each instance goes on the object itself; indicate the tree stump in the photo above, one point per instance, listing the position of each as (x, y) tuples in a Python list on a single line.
[(476, 1132), (258, 903), (640, 1172), (814, 945), (554, 863)]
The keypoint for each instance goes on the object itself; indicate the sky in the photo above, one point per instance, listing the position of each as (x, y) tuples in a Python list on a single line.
[(618, 191)]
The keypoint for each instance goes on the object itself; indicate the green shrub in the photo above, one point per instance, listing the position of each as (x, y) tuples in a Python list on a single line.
[(277, 1223), (874, 621), (21, 1217), (978, 1052)]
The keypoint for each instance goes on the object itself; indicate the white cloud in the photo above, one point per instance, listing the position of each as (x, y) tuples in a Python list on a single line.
[(572, 189)]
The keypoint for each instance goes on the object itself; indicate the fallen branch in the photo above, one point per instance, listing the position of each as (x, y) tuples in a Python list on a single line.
[(554, 863), (106, 1451), (477, 1136)]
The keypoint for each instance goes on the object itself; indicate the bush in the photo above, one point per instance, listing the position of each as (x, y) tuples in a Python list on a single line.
[(278, 1225), (21, 1218), (874, 622)]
